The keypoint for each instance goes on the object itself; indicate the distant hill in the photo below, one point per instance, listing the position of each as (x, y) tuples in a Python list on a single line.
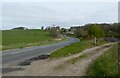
[(20, 28)]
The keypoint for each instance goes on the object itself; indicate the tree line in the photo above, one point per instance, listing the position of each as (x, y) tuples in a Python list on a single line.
[(87, 31), (97, 30)]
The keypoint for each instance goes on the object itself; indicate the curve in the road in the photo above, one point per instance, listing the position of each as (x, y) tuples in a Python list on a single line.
[(22, 54)]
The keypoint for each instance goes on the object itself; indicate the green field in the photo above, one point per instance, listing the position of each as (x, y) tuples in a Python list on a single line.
[(105, 65), (23, 38)]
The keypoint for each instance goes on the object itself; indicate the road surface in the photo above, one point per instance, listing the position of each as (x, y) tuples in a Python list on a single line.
[(18, 55)]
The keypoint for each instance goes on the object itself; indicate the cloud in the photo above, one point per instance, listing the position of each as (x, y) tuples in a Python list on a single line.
[(35, 15)]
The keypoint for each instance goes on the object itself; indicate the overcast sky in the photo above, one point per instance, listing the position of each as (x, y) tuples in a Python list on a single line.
[(64, 14)]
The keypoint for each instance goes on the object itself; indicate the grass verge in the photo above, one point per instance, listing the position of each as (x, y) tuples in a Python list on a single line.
[(74, 48), (106, 64), (71, 49)]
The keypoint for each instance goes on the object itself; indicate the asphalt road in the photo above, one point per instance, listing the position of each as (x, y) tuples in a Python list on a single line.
[(18, 55)]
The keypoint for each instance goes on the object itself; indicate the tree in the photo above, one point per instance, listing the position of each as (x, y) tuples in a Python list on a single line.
[(96, 32), (54, 32), (48, 28), (42, 28), (63, 30), (81, 33)]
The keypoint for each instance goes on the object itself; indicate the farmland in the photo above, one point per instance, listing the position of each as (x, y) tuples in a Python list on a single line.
[(23, 38)]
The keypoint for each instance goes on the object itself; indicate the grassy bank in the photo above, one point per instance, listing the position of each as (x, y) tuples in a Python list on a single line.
[(71, 49), (105, 65), (12, 39), (74, 48)]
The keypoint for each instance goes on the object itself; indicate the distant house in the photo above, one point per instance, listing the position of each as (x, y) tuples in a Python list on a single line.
[(20, 28), (69, 32)]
